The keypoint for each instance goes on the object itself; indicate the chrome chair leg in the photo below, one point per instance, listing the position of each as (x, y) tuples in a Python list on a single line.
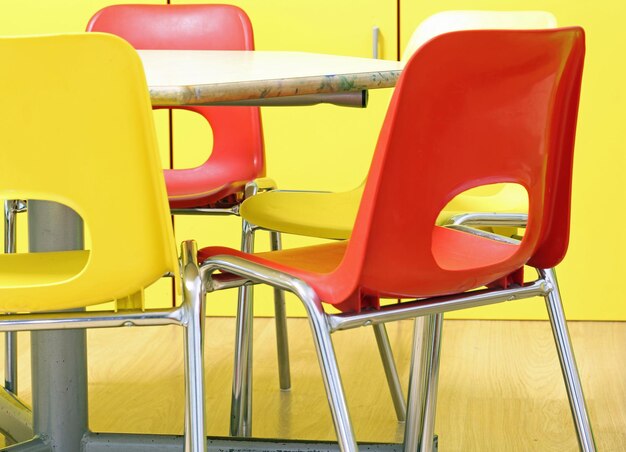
[(423, 381), (241, 405), (247, 390), (554, 305), (417, 384), (241, 402), (389, 364), (240, 394), (330, 373), (11, 208), (433, 383), (194, 305), (195, 436), (9, 226), (280, 316), (320, 326), (10, 362)]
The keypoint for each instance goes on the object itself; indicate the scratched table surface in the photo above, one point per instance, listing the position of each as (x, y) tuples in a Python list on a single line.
[(183, 77)]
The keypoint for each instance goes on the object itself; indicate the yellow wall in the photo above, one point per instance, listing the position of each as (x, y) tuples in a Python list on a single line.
[(329, 148), (590, 274)]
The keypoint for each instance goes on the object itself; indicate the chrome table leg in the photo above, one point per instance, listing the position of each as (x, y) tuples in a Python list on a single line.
[(59, 358)]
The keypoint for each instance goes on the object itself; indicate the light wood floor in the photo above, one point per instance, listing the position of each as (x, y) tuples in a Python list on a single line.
[(500, 384)]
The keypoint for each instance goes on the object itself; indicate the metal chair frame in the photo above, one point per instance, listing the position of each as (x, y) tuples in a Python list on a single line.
[(426, 345), (11, 208), (189, 315)]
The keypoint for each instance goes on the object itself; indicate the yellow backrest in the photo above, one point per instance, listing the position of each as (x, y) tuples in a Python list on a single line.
[(447, 21), (76, 127)]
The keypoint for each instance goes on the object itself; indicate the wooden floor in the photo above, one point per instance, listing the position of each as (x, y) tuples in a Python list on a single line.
[(500, 384)]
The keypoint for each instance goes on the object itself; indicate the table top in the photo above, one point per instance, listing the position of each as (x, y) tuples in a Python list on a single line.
[(185, 77)]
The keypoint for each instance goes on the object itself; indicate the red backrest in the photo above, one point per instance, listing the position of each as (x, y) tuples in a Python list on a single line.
[(237, 132), (471, 108)]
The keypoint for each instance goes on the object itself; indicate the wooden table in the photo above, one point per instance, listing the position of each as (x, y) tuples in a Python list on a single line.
[(187, 77), (59, 363)]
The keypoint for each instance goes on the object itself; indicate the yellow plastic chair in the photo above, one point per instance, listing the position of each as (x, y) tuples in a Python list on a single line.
[(331, 215), (77, 122)]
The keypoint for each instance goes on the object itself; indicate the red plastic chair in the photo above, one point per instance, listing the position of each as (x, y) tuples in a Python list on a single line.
[(471, 108), (237, 157), (235, 168)]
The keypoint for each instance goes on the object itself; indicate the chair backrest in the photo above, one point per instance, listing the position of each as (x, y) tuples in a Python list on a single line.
[(447, 21), (457, 20), (471, 108), (76, 127), (237, 132)]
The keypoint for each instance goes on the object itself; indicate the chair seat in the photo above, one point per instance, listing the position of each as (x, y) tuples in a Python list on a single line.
[(314, 214), (332, 215), (39, 269), (453, 250), (200, 187)]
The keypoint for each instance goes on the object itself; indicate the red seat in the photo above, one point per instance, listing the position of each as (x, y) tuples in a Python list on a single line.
[(471, 108), (237, 156), (319, 266)]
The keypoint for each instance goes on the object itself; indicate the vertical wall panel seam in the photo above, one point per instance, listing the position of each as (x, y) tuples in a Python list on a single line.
[(397, 30)]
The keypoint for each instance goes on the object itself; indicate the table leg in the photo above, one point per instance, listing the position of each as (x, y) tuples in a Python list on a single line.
[(59, 358)]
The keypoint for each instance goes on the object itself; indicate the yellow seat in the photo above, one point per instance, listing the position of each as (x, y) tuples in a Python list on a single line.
[(40, 269), (331, 215), (76, 120), (314, 214)]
